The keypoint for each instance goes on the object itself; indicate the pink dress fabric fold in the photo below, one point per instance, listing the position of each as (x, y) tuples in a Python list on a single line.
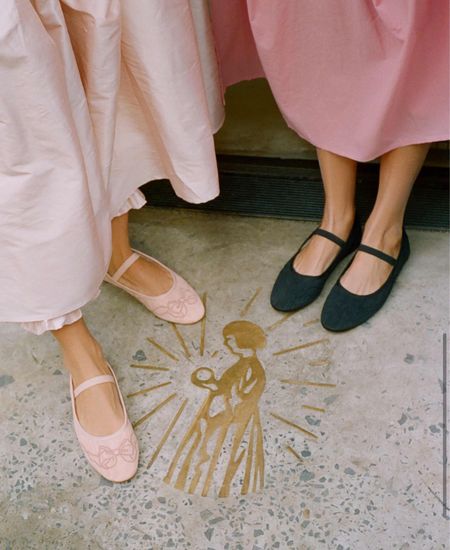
[(135, 201), (357, 78), (96, 99)]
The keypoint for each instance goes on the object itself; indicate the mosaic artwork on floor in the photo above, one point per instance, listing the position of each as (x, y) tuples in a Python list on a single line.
[(351, 427), (215, 441)]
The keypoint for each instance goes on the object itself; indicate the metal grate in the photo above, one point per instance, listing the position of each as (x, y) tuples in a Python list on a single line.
[(293, 189)]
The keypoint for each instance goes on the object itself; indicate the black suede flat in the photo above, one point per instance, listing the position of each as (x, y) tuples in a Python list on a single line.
[(292, 290), (344, 310)]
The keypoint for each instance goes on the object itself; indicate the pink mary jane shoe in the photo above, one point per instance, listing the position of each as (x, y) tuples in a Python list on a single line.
[(113, 456), (180, 304)]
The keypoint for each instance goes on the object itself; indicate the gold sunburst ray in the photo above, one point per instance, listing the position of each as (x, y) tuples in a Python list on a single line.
[(280, 321), (325, 362), (149, 389), (294, 452), (150, 367), (312, 408), (311, 322), (167, 433), (307, 383), (302, 346), (188, 470), (250, 302), (203, 327), (162, 349), (182, 341), (294, 425), (154, 410)]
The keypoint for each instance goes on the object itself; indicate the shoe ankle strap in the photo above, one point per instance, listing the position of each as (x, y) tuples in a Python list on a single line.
[(378, 253), (329, 236), (103, 379), (126, 265)]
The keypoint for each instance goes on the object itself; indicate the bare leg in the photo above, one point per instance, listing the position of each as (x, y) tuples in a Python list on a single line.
[(398, 171), (144, 276), (98, 408), (339, 181)]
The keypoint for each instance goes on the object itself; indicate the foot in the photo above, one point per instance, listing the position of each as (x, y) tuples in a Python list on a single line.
[(368, 273), (99, 409), (318, 253), (145, 276)]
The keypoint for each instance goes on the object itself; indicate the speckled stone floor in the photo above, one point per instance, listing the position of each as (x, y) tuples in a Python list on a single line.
[(351, 449)]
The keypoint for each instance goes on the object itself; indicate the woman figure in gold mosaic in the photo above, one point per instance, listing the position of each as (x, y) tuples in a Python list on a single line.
[(231, 411)]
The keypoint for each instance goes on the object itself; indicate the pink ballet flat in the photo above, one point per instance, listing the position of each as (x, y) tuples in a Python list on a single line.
[(113, 456), (180, 304)]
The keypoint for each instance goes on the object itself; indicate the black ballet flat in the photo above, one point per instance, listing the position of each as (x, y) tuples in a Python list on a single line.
[(344, 310), (292, 290)]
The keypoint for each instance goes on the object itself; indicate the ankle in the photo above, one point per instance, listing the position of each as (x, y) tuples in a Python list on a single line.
[(339, 223), (85, 361), (387, 237), (118, 256)]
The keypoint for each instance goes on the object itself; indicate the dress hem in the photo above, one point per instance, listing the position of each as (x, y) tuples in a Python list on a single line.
[(357, 158), (39, 326)]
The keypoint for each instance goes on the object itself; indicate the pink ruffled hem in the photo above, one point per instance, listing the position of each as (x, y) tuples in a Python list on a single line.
[(135, 201), (39, 327)]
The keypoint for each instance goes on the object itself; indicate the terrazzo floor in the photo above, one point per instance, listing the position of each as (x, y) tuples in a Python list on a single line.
[(345, 445)]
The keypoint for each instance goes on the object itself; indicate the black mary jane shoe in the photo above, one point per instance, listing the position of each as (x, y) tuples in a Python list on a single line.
[(344, 310), (292, 290)]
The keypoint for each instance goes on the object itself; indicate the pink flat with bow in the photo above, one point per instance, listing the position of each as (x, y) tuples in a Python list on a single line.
[(114, 456)]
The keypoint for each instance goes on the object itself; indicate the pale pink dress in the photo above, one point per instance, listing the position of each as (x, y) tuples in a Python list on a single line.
[(355, 77), (96, 98)]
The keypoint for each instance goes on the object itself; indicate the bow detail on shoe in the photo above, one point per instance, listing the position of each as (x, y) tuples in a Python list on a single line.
[(113, 456), (107, 457), (178, 308)]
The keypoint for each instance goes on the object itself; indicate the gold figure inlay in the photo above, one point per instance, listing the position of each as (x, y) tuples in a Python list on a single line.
[(221, 445), (231, 410)]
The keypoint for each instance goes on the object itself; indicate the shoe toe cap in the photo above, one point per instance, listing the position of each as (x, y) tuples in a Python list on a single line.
[(123, 471), (337, 314), (114, 457), (181, 306), (293, 291), (332, 320), (343, 310), (191, 307), (195, 313)]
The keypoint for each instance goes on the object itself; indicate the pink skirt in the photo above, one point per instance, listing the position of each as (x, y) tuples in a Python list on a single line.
[(96, 98), (357, 78)]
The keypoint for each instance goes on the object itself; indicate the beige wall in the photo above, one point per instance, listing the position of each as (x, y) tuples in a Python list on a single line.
[(255, 127)]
